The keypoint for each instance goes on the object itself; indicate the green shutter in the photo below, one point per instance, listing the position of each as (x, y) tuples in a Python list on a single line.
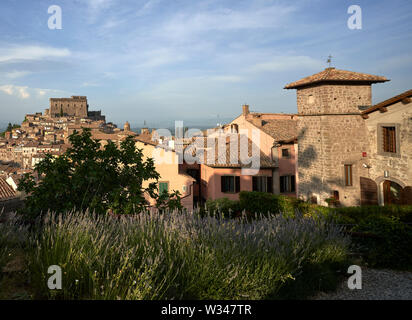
[(163, 187)]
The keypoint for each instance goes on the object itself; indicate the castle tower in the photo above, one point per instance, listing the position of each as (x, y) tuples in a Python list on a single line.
[(76, 106), (126, 126), (332, 134)]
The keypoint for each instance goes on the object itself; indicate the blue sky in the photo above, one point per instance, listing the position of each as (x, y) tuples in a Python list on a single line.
[(166, 60)]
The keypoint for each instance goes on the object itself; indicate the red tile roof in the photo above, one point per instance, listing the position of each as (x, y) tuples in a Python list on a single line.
[(6, 191), (224, 160), (382, 105), (336, 75), (279, 129)]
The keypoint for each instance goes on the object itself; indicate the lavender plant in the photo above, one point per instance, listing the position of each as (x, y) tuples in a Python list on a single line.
[(177, 255)]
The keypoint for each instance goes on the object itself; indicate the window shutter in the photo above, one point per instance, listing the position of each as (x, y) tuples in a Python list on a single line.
[(385, 139), (282, 184), (270, 184), (254, 183), (237, 184), (393, 139)]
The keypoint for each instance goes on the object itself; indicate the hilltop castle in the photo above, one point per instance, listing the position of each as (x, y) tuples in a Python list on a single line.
[(76, 106)]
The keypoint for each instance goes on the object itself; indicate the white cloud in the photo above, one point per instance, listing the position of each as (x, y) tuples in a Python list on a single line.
[(7, 89), (185, 25), (147, 7), (24, 92), (90, 84), (96, 7), (32, 53), (18, 91), (16, 74)]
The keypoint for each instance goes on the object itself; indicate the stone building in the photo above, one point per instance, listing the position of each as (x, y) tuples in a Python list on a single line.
[(339, 150), (76, 106), (389, 163)]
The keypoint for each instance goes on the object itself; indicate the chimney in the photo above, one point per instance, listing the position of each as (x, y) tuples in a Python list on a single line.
[(245, 109)]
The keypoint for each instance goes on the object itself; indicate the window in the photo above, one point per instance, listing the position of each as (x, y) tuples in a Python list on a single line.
[(285, 153), (389, 139), (230, 184), (348, 175), (234, 128), (262, 184), (163, 187), (287, 184)]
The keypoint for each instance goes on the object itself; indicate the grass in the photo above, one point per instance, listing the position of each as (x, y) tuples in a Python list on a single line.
[(184, 256)]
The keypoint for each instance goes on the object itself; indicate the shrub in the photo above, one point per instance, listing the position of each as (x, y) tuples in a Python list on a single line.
[(266, 203), (223, 206), (389, 243)]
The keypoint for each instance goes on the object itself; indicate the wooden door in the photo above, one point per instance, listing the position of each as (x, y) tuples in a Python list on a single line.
[(369, 192), (387, 192)]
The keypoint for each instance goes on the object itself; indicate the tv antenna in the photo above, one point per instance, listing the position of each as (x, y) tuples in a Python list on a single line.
[(329, 61)]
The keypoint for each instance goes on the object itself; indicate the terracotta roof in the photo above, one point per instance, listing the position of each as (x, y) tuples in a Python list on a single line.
[(146, 138), (336, 75), (382, 105), (105, 136), (224, 160), (6, 191), (278, 129)]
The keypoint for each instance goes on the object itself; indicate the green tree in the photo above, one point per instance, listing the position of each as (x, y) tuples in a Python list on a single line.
[(86, 176)]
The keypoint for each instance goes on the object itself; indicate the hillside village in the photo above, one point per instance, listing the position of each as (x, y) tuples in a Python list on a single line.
[(337, 149)]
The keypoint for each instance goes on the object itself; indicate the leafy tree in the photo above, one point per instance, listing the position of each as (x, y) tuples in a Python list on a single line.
[(108, 179)]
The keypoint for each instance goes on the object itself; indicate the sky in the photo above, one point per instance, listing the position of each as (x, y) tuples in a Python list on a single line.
[(195, 60)]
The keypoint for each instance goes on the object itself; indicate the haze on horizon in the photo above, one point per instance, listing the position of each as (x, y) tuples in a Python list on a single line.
[(160, 60)]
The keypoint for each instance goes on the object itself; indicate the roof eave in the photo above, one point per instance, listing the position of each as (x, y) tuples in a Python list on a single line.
[(308, 84)]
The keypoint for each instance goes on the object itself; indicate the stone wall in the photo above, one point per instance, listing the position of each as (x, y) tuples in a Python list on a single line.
[(399, 165), (331, 133), (332, 99), (74, 107)]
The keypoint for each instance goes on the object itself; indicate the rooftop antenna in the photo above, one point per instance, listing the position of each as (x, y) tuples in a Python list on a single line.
[(329, 61)]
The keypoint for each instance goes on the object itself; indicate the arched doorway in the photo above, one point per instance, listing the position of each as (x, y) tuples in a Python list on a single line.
[(392, 193)]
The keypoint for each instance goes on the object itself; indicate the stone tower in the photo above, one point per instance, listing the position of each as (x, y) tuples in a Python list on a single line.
[(332, 134), (126, 126), (76, 106)]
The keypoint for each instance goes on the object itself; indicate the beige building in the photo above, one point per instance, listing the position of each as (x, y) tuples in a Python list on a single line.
[(344, 156), (172, 175)]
